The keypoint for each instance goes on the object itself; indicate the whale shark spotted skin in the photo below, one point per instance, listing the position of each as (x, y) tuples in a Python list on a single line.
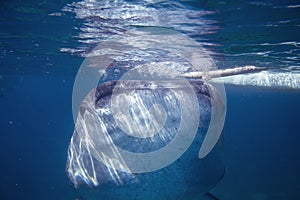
[(89, 164)]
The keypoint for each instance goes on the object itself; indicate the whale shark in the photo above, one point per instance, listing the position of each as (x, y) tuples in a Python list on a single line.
[(149, 117), (97, 154)]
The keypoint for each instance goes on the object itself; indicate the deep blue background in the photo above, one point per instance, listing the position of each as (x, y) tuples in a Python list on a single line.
[(262, 148)]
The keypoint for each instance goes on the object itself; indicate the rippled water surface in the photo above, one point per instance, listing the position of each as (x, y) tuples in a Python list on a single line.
[(240, 33), (43, 43)]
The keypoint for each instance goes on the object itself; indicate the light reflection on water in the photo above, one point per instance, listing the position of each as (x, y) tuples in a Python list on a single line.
[(226, 31), (102, 19), (253, 33)]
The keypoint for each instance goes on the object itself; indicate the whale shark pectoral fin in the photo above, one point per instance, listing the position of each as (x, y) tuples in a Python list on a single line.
[(218, 110)]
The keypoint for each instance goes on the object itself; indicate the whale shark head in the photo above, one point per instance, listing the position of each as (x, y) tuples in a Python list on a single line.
[(141, 140)]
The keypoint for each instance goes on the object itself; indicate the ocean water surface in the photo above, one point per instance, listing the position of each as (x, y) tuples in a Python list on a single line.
[(43, 43)]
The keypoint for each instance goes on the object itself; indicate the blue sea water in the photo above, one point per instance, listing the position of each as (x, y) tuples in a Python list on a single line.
[(43, 43)]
